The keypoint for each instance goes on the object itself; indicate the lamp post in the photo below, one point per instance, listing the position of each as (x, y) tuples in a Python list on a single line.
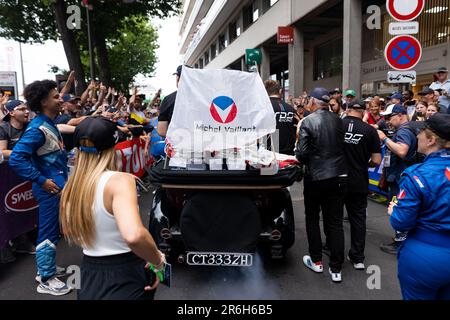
[(21, 67), (91, 54)]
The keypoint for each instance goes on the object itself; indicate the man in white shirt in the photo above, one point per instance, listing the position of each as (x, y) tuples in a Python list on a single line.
[(443, 84)]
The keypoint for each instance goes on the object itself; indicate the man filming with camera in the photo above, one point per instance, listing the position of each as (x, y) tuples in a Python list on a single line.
[(400, 154)]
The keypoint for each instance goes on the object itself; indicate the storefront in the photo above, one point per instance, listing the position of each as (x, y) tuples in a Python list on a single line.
[(434, 35)]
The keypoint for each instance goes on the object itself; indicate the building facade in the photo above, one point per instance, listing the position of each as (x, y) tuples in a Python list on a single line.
[(333, 45)]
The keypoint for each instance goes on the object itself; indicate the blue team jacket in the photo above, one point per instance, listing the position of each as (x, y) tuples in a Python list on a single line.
[(39, 155), (424, 199)]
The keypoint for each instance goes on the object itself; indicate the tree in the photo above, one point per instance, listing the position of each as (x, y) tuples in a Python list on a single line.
[(133, 52), (35, 21)]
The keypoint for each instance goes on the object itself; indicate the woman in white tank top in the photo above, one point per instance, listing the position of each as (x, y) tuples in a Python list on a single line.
[(99, 212)]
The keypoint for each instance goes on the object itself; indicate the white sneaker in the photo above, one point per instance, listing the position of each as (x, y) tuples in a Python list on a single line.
[(60, 272), (54, 287), (357, 266), (316, 267), (335, 276)]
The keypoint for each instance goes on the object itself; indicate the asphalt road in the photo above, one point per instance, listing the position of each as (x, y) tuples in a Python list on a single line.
[(287, 279)]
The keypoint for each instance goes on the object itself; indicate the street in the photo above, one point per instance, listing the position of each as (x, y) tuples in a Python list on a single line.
[(274, 280)]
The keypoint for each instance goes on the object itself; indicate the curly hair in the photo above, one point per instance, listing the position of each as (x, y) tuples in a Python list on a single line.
[(37, 91)]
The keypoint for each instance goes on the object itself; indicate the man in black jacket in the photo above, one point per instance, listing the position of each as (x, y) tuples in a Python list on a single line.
[(321, 150)]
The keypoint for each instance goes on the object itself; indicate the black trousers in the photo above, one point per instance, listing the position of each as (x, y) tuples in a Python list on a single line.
[(328, 196), (119, 277), (356, 205)]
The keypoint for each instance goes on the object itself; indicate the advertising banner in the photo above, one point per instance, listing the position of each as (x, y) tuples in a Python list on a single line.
[(131, 157), (18, 208)]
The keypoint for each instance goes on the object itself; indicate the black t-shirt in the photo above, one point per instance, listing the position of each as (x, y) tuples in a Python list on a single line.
[(67, 138), (361, 141), (167, 106), (286, 121), (11, 134)]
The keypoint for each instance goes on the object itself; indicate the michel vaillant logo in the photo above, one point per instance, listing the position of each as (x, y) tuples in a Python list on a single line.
[(224, 111)]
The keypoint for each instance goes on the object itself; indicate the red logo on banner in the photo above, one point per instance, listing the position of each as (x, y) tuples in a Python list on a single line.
[(131, 157), (285, 35), (405, 10), (20, 198), (447, 173), (403, 52)]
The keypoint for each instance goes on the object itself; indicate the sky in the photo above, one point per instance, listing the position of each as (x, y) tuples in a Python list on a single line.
[(38, 58)]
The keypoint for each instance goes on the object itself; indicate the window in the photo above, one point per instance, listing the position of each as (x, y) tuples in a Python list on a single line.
[(213, 51), (206, 58), (196, 66), (255, 14), (267, 4), (223, 43), (200, 63), (328, 59), (233, 31), (248, 16)]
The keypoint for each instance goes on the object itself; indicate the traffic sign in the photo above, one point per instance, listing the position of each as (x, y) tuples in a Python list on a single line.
[(253, 56), (402, 77), (403, 52), (405, 10), (400, 28)]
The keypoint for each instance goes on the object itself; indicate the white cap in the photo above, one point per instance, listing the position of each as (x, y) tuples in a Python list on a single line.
[(388, 110)]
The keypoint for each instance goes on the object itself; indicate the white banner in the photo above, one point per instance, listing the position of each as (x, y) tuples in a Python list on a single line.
[(219, 109)]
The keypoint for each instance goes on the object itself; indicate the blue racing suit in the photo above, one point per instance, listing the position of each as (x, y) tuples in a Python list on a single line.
[(39, 155), (423, 211)]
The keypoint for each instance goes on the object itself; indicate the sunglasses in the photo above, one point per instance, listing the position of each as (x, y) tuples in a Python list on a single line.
[(23, 109)]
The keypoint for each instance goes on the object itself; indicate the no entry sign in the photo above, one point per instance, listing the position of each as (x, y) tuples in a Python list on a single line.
[(403, 52), (405, 10)]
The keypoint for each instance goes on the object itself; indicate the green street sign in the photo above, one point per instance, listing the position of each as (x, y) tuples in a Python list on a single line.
[(253, 56)]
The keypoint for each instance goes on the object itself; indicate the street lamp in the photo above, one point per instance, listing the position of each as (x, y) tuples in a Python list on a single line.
[(91, 54)]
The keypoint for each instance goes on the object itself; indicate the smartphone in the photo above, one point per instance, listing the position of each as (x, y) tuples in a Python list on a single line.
[(167, 275), (167, 281)]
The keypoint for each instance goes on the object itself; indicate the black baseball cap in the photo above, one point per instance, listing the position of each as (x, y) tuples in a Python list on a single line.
[(321, 94), (10, 106), (426, 91), (439, 123), (357, 105), (335, 90), (397, 96), (178, 72), (102, 132), (442, 70), (180, 69)]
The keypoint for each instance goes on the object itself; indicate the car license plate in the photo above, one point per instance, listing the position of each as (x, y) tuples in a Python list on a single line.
[(219, 259)]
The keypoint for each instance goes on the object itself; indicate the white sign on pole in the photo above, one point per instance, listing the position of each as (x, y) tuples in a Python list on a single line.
[(401, 28), (405, 10), (402, 76), (8, 83)]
